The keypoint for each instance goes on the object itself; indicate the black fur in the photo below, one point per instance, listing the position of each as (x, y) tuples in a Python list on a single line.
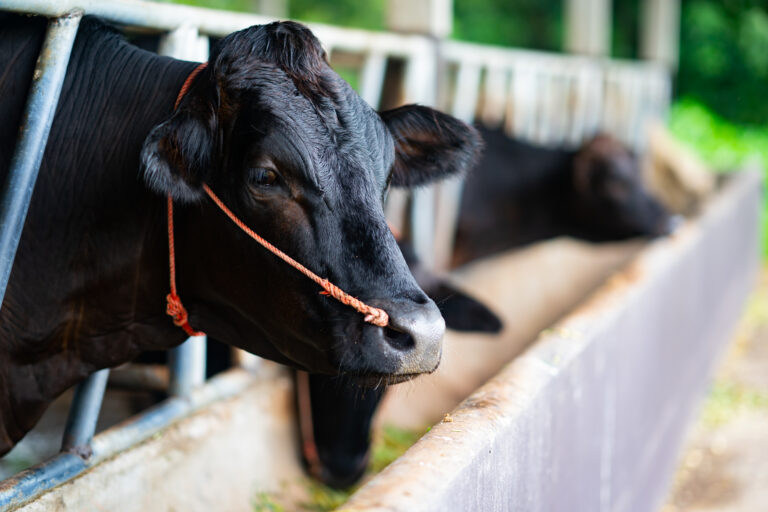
[(521, 193)]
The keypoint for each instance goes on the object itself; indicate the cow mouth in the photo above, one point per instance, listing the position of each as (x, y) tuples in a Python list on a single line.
[(374, 380)]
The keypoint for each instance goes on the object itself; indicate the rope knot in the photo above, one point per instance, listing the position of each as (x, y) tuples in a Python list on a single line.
[(176, 310)]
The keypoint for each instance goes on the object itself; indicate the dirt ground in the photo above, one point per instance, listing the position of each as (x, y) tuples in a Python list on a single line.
[(724, 466)]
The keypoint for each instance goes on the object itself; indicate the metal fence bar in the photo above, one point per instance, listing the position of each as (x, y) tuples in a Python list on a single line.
[(187, 361), (84, 413), (169, 17), (50, 70), (187, 365), (32, 482), (154, 377), (564, 98)]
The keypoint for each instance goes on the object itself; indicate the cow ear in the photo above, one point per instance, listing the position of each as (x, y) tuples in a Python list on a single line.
[(463, 313), (178, 154), (429, 145)]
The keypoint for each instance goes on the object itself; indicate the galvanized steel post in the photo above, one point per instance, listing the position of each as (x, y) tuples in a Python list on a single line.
[(50, 70), (84, 413)]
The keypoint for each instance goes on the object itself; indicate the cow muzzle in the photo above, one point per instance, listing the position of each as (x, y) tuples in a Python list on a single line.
[(410, 345)]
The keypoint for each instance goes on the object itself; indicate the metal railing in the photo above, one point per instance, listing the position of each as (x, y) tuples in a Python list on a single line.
[(544, 97)]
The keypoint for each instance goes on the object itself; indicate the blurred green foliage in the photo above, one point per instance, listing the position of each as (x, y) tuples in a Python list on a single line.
[(625, 36), (227, 5), (724, 57), (358, 13), (534, 24), (722, 144)]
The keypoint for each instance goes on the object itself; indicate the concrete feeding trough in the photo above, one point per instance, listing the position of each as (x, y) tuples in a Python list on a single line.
[(588, 417), (591, 415)]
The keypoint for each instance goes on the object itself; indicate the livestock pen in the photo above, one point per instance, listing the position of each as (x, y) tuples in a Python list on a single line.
[(589, 411)]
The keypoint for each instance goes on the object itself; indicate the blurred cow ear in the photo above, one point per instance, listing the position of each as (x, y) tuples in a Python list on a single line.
[(429, 145), (461, 312), (178, 154)]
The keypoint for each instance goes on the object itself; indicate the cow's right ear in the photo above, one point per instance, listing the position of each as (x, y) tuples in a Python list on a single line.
[(179, 154), (429, 145)]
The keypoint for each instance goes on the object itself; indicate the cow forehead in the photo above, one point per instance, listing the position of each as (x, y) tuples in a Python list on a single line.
[(336, 134)]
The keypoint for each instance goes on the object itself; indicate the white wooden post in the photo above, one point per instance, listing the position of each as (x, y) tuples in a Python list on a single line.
[(661, 31), (588, 25), (433, 18), (449, 192), (274, 8), (430, 17)]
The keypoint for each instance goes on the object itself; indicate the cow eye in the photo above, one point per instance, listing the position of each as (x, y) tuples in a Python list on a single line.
[(262, 177)]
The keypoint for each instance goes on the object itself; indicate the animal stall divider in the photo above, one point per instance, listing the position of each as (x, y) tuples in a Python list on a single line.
[(48, 78), (484, 73)]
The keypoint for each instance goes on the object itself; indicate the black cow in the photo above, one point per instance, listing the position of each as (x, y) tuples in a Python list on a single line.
[(521, 193), (285, 143)]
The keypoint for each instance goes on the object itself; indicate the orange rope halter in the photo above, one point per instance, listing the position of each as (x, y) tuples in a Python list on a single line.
[(175, 308)]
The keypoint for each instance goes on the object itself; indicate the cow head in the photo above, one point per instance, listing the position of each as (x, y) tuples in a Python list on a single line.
[(305, 162), (609, 200)]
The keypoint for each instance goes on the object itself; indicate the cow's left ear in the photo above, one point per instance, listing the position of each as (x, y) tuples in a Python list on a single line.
[(429, 145), (179, 154)]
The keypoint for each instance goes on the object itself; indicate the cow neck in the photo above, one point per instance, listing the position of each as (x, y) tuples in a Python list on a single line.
[(176, 310)]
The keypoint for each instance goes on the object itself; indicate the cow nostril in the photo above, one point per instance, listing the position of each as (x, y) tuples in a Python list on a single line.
[(398, 339)]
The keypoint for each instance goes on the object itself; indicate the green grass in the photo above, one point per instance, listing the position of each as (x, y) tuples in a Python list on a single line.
[(265, 502), (723, 145), (323, 498), (727, 399), (391, 444), (388, 445)]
